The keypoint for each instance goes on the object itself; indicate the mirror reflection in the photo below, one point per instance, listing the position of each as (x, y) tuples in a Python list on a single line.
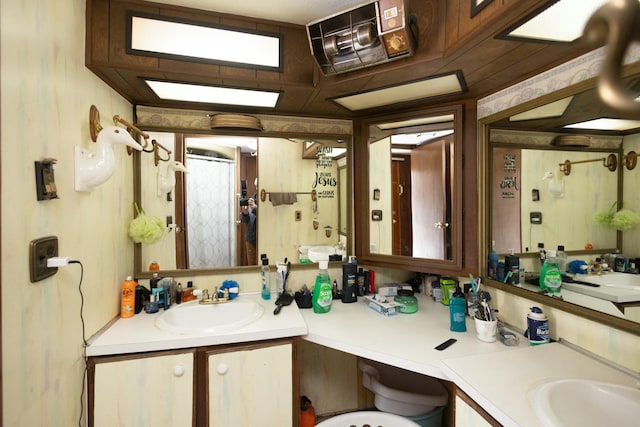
[(532, 197), (413, 181), (534, 203), (244, 196)]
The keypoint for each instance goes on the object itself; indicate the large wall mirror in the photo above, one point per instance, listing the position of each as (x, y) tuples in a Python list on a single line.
[(411, 200), (545, 171), (299, 186)]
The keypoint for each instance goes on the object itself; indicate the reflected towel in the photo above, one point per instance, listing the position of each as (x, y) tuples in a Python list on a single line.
[(282, 198)]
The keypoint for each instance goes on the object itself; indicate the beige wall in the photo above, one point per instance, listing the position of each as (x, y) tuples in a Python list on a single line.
[(46, 95)]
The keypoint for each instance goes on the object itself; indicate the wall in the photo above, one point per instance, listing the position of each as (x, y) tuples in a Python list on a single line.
[(46, 95), (380, 238)]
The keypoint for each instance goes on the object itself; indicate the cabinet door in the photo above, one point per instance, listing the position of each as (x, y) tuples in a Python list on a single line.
[(466, 415), (251, 387), (145, 391)]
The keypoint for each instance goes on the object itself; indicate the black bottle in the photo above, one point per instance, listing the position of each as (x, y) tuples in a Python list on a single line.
[(349, 282)]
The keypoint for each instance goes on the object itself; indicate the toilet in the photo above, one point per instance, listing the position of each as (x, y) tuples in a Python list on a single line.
[(403, 392)]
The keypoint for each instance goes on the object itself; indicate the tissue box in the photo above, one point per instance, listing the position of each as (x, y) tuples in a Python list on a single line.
[(391, 289), (387, 308)]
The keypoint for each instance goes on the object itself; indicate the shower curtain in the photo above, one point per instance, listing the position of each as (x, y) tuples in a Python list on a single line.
[(211, 212)]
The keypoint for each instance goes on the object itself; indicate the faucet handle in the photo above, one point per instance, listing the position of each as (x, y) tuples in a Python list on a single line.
[(205, 294)]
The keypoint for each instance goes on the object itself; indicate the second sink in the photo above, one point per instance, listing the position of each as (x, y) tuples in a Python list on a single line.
[(579, 402)]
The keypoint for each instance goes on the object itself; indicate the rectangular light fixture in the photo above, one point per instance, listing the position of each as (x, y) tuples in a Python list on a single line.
[(431, 87), (553, 109), (162, 36), (418, 121), (213, 94), (562, 22), (606, 124)]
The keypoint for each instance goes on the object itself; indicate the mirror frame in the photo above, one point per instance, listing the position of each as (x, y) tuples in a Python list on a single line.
[(361, 198), (484, 216), (137, 193)]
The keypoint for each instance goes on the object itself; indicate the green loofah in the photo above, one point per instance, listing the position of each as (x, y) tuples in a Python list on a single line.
[(145, 228), (623, 219), (605, 218)]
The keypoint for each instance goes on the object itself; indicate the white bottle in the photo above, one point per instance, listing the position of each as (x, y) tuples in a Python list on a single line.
[(562, 259)]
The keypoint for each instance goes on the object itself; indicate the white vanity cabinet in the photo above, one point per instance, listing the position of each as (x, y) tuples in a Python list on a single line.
[(469, 414), (251, 385), (147, 389)]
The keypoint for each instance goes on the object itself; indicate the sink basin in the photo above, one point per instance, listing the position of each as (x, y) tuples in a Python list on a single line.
[(320, 252), (577, 402), (194, 318)]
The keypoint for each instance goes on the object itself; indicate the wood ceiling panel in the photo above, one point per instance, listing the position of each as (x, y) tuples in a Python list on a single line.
[(487, 64)]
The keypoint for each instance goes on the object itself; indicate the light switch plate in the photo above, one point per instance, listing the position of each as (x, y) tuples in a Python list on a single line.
[(39, 251)]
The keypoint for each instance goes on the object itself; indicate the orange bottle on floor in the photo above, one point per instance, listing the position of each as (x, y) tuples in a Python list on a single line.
[(128, 298), (307, 413)]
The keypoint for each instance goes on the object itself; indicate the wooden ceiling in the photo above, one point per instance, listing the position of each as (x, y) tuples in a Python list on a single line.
[(584, 106), (449, 40)]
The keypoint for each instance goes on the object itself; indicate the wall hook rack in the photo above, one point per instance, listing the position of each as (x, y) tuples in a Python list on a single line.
[(630, 160), (610, 162)]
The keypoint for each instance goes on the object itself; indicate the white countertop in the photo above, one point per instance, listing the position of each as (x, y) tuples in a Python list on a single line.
[(497, 377), (501, 383), (403, 340), (613, 286), (139, 333)]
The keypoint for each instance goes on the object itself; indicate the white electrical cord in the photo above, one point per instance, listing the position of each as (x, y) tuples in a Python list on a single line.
[(58, 261)]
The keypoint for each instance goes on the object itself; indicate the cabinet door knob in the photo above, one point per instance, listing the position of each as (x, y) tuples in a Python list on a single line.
[(178, 370), (222, 368)]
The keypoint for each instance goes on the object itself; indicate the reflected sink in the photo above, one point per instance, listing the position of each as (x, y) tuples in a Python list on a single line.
[(209, 318), (320, 252), (577, 402)]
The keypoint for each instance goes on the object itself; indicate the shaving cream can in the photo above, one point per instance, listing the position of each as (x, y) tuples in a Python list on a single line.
[(537, 326)]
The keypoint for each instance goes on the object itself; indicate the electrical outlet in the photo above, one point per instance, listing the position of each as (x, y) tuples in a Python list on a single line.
[(535, 217), (298, 216), (376, 215), (40, 250)]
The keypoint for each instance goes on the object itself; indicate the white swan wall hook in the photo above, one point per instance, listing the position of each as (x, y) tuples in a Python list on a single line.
[(94, 168), (167, 176), (556, 183)]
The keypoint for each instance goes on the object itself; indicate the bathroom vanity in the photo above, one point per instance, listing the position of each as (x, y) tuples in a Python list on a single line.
[(139, 372), (137, 368)]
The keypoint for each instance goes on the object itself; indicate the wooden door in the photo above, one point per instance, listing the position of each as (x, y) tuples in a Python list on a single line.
[(430, 203), (402, 240)]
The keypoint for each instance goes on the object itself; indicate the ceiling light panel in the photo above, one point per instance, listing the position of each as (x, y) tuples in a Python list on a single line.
[(164, 36), (606, 124), (563, 21), (433, 87), (213, 94), (418, 121), (553, 109)]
